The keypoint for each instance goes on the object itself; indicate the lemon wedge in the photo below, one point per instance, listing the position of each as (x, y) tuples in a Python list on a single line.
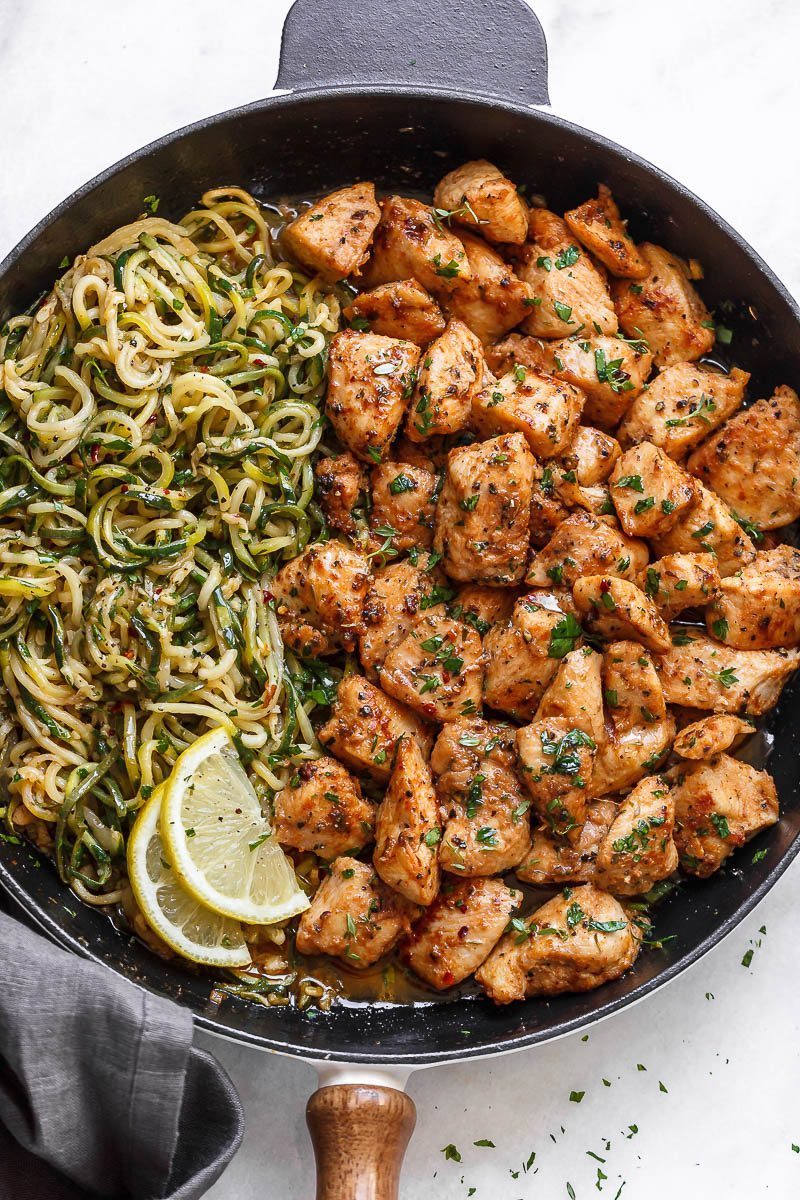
[(219, 843), (173, 913)]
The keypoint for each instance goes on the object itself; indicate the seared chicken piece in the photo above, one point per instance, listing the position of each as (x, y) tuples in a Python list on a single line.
[(682, 406), (575, 693), (487, 830), (617, 609), (638, 849), (411, 242), (453, 937), (520, 658), (699, 672), (437, 669), (651, 493), (322, 810), (370, 380), (609, 371), (680, 581), (407, 829), (664, 309), (571, 292), (482, 607), (640, 728), (451, 372), (493, 300), (574, 943), (556, 764), (758, 608), (403, 500), (399, 594), (598, 226), (708, 526), (719, 805), (482, 198), (333, 236), (402, 309), (586, 545), (483, 513), (711, 736), (340, 482), (556, 861), (354, 916), (753, 461), (545, 411), (320, 595), (591, 456), (365, 726)]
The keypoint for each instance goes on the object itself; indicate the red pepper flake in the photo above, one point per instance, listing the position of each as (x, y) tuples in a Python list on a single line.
[(268, 596), (448, 978), (605, 585)]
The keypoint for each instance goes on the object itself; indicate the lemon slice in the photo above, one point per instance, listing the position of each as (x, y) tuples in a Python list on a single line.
[(173, 913), (218, 841)]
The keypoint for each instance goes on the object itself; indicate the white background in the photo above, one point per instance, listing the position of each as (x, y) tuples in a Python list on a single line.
[(710, 91)]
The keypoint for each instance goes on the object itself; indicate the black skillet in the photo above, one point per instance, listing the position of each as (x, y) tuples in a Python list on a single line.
[(400, 91)]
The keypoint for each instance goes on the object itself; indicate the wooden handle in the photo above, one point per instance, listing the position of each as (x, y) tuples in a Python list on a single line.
[(360, 1134)]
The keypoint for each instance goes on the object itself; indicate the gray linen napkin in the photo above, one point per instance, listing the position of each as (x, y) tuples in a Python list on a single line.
[(100, 1081)]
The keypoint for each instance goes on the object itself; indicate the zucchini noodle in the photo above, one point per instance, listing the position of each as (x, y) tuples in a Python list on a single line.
[(159, 410)]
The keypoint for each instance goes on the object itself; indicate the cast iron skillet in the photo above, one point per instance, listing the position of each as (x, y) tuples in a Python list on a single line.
[(400, 91)]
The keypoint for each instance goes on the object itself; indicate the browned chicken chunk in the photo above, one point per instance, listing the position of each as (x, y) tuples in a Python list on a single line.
[(456, 933), (617, 609), (402, 309), (322, 810), (556, 764), (708, 526), (365, 726), (482, 607), (680, 581), (664, 309), (403, 502), (638, 851), (407, 830), (370, 380), (544, 410), (651, 493), (753, 461), (699, 672), (575, 693), (399, 594), (573, 943), (437, 669), (639, 729), (586, 545), (557, 860), (719, 805), (411, 242), (480, 196), (483, 515), (451, 373), (493, 300), (320, 596), (758, 608), (590, 456), (354, 916), (599, 227), (333, 236), (521, 657), (340, 482), (570, 291), (711, 736), (682, 406)]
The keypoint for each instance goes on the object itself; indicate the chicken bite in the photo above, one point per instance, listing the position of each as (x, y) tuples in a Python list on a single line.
[(480, 196), (370, 380), (411, 242), (639, 730), (333, 236), (638, 850), (758, 608), (575, 694), (407, 829), (719, 805), (482, 607), (753, 461), (340, 483), (521, 658), (555, 861), (664, 309), (709, 526), (682, 406), (556, 764), (401, 309), (586, 545), (494, 299), (452, 371), (680, 581), (650, 492), (456, 933), (487, 830), (599, 227), (545, 411), (365, 726), (617, 609), (437, 668), (699, 672), (399, 593), (573, 943), (320, 596), (569, 293), (322, 810), (590, 456), (354, 916), (711, 736), (483, 515), (403, 501)]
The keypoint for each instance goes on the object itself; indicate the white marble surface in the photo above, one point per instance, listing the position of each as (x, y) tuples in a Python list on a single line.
[(709, 90)]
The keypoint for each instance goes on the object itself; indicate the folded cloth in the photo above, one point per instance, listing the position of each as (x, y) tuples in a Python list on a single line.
[(100, 1081)]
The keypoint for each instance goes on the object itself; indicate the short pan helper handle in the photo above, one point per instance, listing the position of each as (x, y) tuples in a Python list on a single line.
[(359, 1133)]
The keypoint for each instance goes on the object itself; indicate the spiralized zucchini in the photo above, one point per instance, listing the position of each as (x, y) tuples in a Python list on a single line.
[(158, 415)]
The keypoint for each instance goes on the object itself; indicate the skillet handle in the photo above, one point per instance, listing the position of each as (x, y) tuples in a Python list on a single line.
[(490, 48), (359, 1133)]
